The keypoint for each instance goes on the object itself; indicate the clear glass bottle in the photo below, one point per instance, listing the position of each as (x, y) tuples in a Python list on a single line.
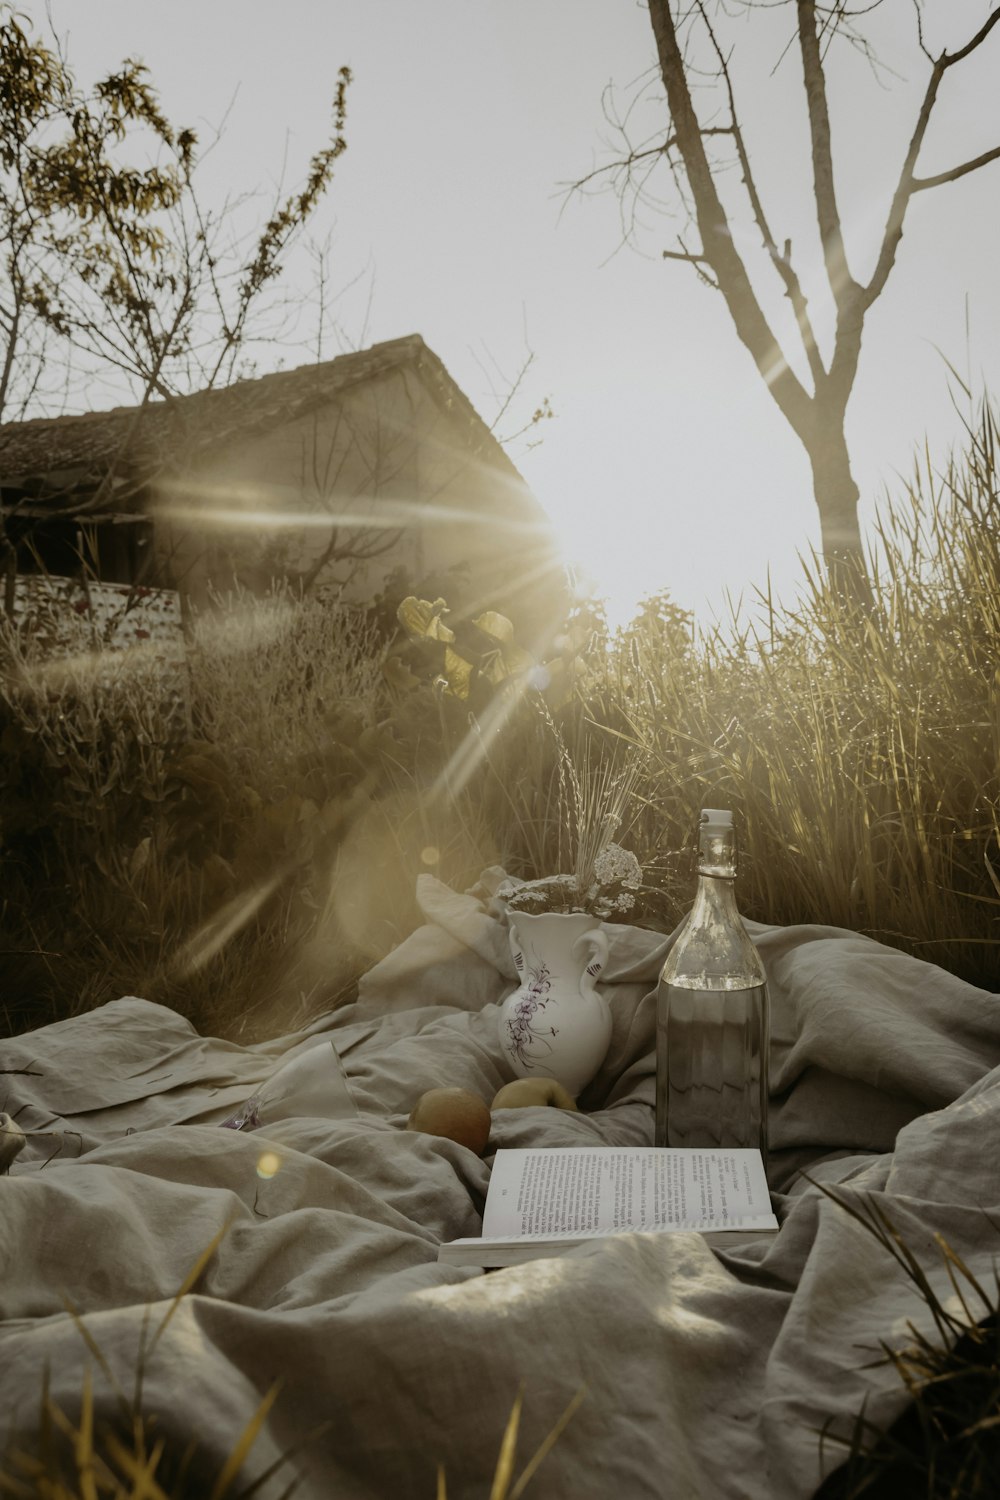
[(712, 1013)]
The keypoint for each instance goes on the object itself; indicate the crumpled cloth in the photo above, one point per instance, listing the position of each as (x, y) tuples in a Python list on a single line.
[(706, 1373)]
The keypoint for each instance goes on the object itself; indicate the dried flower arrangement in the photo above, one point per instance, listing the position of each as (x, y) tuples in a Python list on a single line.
[(606, 876)]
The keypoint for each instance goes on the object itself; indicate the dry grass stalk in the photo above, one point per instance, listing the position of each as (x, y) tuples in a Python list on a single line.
[(946, 1444), (85, 1459)]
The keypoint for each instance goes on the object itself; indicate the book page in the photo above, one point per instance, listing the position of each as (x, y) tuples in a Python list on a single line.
[(583, 1190)]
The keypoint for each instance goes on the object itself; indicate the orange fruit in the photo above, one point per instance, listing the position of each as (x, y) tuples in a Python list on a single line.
[(456, 1114), (526, 1092)]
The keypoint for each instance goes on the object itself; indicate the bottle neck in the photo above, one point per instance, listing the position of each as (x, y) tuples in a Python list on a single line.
[(713, 950), (717, 854), (714, 898)]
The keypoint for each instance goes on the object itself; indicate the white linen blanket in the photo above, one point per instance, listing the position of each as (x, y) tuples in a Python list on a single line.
[(706, 1374)]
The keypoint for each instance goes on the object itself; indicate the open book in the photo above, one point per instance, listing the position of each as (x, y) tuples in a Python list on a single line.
[(540, 1203)]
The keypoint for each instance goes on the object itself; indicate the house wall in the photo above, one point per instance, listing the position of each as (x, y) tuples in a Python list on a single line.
[(481, 514), (389, 474), (274, 504)]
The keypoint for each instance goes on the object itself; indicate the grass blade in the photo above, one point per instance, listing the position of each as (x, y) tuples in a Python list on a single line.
[(190, 1280), (508, 1450), (244, 1443), (547, 1444)]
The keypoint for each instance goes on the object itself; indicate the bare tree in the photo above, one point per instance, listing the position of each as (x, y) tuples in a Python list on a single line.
[(701, 150)]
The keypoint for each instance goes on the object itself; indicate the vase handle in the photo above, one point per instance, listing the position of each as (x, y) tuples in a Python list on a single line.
[(597, 942), (516, 952)]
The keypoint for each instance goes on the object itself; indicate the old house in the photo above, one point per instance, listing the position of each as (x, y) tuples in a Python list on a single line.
[(332, 475)]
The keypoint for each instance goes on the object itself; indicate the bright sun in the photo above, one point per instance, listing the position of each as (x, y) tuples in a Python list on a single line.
[(606, 567), (621, 540)]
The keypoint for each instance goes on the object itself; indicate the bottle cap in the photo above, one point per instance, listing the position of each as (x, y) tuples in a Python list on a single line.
[(717, 843)]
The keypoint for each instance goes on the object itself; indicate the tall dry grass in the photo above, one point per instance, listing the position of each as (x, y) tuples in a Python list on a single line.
[(861, 751), (246, 859), (180, 850)]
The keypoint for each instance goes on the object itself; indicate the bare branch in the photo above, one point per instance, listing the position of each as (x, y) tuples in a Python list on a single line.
[(11, 331), (780, 260), (620, 165), (905, 186), (686, 255), (919, 184), (920, 32), (699, 262), (948, 59), (718, 246), (841, 282), (514, 387), (132, 430)]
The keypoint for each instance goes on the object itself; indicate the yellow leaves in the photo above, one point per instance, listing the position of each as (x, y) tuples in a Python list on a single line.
[(457, 674), (480, 655), (481, 650), (496, 625), (507, 660), (422, 620), (234, 1463)]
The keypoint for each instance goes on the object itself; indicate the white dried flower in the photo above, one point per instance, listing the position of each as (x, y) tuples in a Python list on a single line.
[(617, 866), (616, 874)]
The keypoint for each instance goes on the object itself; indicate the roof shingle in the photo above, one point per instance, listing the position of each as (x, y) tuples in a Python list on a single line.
[(50, 455)]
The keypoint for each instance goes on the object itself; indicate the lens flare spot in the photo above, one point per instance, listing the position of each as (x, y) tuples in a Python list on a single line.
[(429, 855), (268, 1164), (539, 678)]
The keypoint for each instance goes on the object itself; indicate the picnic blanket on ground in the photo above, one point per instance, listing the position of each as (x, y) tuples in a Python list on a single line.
[(706, 1373)]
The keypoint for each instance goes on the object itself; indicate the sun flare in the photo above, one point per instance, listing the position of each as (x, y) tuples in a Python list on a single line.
[(605, 569)]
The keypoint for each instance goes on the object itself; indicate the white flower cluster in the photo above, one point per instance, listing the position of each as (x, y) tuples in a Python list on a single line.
[(606, 907), (617, 874), (617, 866), (551, 893)]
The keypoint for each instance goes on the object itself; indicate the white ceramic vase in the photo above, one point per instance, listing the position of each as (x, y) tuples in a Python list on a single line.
[(556, 1025)]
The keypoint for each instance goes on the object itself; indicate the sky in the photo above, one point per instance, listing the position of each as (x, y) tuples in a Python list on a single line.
[(666, 466)]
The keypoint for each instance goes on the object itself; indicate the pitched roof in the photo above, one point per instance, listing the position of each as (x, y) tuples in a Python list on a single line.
[(54, 456)]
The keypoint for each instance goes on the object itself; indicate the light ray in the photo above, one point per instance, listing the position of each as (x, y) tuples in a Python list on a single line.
[(475, 744), (213, 936), (386, 514), (87, 668)]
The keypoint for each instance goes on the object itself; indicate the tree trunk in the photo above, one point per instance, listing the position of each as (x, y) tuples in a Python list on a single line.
[(837, 499)]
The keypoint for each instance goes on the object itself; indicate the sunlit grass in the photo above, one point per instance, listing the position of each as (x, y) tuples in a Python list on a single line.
[(861, 751), (504, 1485), (244, 853), (133, 1454), (275, 680)]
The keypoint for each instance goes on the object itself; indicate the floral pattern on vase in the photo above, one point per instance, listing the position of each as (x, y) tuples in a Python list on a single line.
[(556, 1025), (523, 1034)]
